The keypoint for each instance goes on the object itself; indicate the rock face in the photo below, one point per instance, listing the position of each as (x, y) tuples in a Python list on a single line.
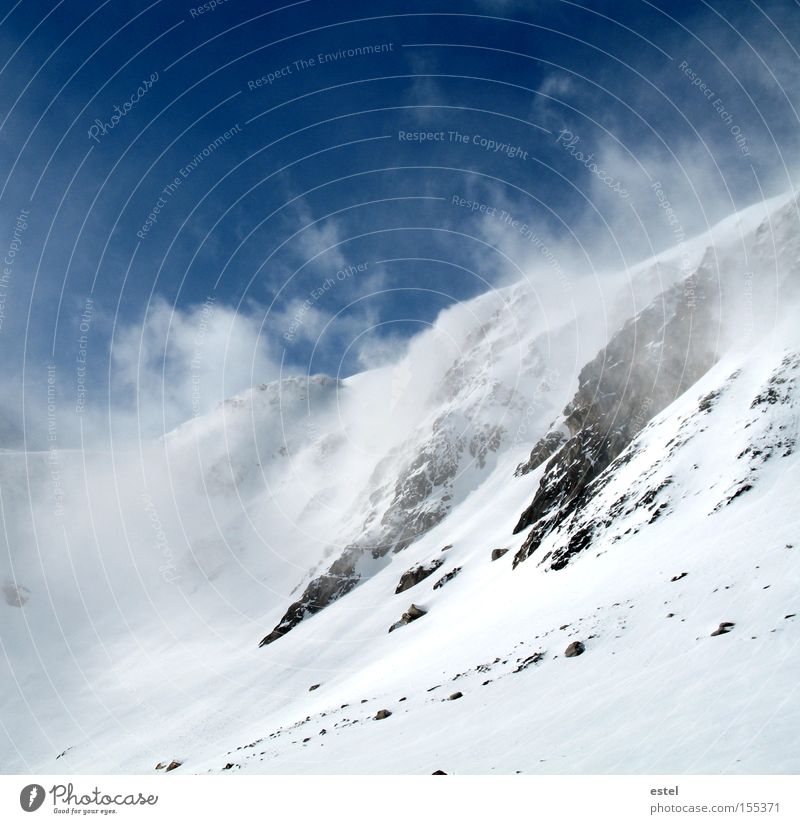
[(471, 414), (410, 578), (544, 449), (411, 614), (337, 581), (574, 649), (498, 553), (644, 367)]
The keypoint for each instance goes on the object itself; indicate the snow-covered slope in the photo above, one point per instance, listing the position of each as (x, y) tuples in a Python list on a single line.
[(659, 502)]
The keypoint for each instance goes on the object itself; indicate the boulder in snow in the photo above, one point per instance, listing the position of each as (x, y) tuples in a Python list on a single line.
[(411, 614), (411, 577), (723, 628), (574, 649)]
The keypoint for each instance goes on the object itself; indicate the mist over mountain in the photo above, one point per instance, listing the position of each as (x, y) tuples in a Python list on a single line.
[(565, 513)]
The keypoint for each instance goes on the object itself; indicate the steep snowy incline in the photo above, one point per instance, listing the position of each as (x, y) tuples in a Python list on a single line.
[(137, 584), (482, 681)]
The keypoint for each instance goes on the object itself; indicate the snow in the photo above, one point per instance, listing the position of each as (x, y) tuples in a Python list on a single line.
[(149, 594)]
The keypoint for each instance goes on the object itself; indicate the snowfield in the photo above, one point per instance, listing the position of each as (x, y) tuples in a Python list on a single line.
[(131, 620)]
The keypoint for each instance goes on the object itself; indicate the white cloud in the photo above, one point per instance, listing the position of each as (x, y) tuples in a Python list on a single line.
[(183, 362)]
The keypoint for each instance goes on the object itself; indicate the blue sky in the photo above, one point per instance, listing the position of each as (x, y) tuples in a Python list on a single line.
[(243, 172)]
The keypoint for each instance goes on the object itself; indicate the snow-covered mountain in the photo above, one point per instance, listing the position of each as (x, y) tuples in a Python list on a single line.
[(574, 510)]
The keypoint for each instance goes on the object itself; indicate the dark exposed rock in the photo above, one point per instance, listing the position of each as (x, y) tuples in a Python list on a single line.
[(574, 649), (454, 696), (678, 577), (527, 662), (645, 366), (724, 628), (447, 577), (413, 576), (381, 714), (173, 765), (313, 687), (498, 553), (708, 401), (439, 772), (228, 766), (411, 614), (337, 581), (409, 515), (544, 449), (160, 765)]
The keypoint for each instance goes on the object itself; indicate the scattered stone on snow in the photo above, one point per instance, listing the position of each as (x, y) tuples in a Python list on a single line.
[(574, 649), (411, 614), (723, 628)]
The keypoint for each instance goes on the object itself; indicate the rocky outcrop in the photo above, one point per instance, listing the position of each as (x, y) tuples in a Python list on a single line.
[(337, 581), (381, 714), (413, 487), (653, 359), (411, 577), (724, 628), (544, 449), (447, 577), (499, 553), (413, 613)]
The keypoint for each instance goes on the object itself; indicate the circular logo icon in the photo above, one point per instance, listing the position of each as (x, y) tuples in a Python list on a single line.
[(31, 797)]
